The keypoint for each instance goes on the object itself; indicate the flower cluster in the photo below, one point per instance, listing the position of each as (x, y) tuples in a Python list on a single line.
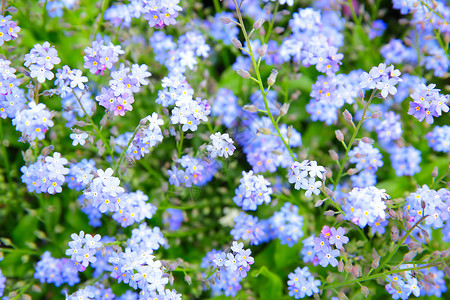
[(253, 190), (8, 29), (178, 57), (56, 270), (233, 266), (266, 152), (138, 268), (33, 122), (303, 176), (249, 228), (46, 175), (427, 103), (404, 285), (67, 79), (104, 191), (439, 138), (93, 292), (147, 137), (389, 129), (174, 217), (365, 206), (431, 203), (105, 195), (226, 106), (76, 104), (118, 98), (323, 245), (162, 14), (100, 57), (432, 283), (382, 78), (302, 283), (80, 174), (196, 171), (82, 249), (315, 40), (426, 22), (12, 98), (222, 145), (55, 8), (395, 52), (157, 13), (287, 224), (367, 159), (405, 160), (330, 93), (41, 60), (133, 208), (221, 32)]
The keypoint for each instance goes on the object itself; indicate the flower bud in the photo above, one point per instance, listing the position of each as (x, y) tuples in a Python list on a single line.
[(289, 131), (284, 109), (377, 114), (318, 203), (400, 215), (262, 50), (264, 131), (409, 256), (258, 24), (352, 171), (347, 116), (225, 20), (447, 271), (423, 204), (339, 135), (243, 73), (250, 108), (435, 172), (367, 140), (329, 191), (396, 286), (329, 213), (392, 214), (376, 263), (365, 291), (236, 43), (394, 233), (342, 296), (333, 154), (341, 266), (272, 77)]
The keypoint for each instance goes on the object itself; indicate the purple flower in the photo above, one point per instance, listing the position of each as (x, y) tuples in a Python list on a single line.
[(328, 257), (338, 237), (326, 231), (320, 243)]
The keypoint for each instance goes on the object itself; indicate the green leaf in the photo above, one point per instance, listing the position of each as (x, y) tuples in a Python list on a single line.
[(271, 287), (24, 231)]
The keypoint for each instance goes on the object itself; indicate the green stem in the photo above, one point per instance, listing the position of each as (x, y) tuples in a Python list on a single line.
[(271, 24), (435, 184), (99, 133), (180, 143), (122, 155), (388, 259), (6, 161), (384, 274), (355, 133), (217, 6), (259, 80), (99, 22)]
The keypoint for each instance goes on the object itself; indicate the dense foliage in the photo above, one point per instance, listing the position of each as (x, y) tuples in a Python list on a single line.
[(259, 149)]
